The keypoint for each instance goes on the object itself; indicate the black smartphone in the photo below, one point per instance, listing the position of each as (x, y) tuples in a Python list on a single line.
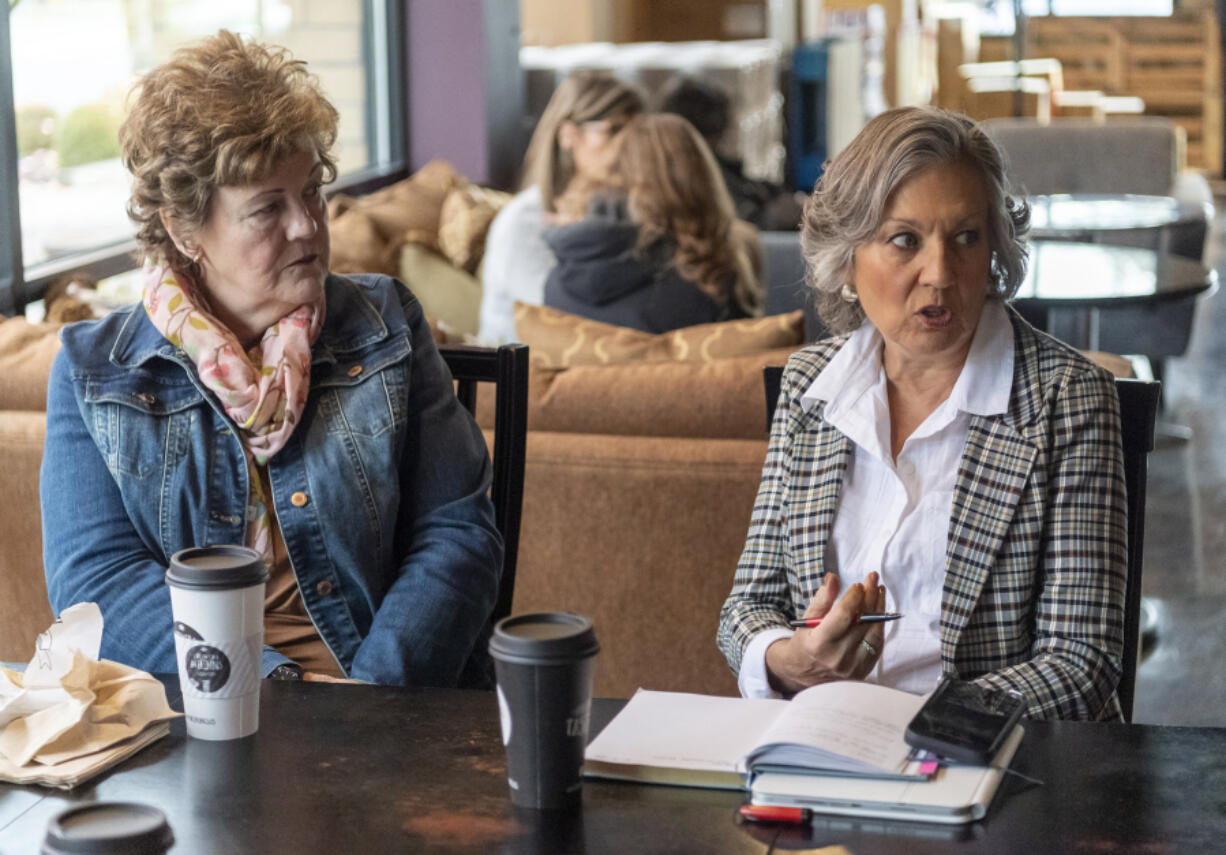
[(964, 722)]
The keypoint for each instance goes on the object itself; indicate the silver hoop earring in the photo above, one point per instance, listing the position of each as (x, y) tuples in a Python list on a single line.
[(849, 294)]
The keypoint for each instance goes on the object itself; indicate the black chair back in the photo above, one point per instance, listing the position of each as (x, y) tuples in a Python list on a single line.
[(1138, 414), (507, 368)]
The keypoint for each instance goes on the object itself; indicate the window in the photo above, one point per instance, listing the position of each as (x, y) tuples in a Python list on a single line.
[(74, 61), (998, 14)]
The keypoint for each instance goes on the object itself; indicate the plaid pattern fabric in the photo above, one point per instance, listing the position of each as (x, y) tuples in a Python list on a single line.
[(1033, 598)]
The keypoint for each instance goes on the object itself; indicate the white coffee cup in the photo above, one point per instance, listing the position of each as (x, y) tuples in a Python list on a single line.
[(217, 596)]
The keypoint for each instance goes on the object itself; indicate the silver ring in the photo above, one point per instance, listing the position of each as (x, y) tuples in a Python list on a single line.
[(872, 651)]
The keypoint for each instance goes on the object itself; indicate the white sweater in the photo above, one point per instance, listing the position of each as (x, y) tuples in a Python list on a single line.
[(516, 264)]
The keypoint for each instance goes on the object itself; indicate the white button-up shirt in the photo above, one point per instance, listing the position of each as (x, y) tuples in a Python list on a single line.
[(893, 514)]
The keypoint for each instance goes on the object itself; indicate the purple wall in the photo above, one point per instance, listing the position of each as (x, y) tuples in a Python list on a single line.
[(447, 93)]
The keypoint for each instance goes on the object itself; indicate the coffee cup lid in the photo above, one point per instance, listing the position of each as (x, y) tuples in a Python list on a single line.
[(216, 568), (543, 638), (109, 827)]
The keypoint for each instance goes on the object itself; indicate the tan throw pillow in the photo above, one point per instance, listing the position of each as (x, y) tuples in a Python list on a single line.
[(357, 245), (723, 399), (449, 296), (409, 209), (720, 399), (26, 352), (561, 340), (464, 221)]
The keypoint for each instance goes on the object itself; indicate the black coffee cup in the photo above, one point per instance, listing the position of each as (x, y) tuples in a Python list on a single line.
[(108, 828), (544, 667)]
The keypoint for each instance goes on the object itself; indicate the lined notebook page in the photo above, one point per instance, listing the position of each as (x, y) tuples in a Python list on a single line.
[(684, 731)]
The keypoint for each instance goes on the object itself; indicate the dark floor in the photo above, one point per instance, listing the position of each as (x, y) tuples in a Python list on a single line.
[(1183, 679)]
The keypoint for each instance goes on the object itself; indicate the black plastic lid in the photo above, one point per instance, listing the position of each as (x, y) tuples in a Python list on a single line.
[(102, 828), (216, 568), (544, 638)]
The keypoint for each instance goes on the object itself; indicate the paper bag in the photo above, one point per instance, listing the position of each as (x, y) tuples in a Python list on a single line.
[(68, 705)]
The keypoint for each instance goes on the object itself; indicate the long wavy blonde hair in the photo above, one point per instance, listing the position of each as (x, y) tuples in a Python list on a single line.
[(674, 190), (584, 96)]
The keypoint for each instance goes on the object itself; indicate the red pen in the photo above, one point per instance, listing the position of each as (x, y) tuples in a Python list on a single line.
[(774, 813), (816, 621)]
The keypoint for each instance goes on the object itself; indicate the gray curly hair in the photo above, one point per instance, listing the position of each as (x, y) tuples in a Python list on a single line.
[(849, 201)]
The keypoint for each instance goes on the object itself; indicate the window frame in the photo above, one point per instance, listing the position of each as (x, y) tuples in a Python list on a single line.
[(387, 143)]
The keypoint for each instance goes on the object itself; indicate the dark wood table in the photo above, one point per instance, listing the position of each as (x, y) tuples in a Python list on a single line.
[(363, 769), (1071, 283)]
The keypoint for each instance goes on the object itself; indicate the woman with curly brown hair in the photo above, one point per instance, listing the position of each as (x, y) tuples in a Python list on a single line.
[(253, 397), (659, 246)]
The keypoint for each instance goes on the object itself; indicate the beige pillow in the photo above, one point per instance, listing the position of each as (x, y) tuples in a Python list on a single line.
[(26, 352), (721, 399), (409, 209), (561, 340), (448, 295), (357, 245), (464, 221)]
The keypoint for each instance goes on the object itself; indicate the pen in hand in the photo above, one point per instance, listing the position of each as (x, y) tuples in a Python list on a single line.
[(816, 621)]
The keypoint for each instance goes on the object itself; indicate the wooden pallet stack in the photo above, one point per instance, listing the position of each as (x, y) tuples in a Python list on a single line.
[(1173, 64)]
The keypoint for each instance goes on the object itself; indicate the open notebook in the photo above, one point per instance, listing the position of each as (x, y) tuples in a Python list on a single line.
[(846, 728)]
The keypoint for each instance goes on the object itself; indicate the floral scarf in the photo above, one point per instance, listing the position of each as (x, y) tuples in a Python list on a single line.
[(264, 389)]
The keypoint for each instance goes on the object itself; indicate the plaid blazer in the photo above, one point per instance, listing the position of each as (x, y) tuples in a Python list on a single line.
[(1035, 569)]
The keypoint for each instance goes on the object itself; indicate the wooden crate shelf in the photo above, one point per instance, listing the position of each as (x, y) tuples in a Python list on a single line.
[(1173, 64)]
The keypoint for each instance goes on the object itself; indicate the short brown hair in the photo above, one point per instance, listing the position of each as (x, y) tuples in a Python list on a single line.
[(222, 112), (851, 197)]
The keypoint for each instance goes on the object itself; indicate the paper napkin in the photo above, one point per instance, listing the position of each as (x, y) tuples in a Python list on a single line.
[(69, 716)]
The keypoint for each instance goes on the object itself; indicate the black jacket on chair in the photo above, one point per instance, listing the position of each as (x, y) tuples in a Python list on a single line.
[(602, 275)]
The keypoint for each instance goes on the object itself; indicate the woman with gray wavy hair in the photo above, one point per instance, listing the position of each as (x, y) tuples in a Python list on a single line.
[(937, 457)]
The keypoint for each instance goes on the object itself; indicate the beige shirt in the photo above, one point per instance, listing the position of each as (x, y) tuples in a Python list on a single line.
[(288, 627)]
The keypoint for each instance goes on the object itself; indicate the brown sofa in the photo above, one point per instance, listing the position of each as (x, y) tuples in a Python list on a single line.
[(26, 351), (639, 482)]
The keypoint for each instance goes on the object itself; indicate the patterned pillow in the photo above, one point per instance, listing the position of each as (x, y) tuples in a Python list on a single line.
[(464, 221), (409, 209), (561, 340)]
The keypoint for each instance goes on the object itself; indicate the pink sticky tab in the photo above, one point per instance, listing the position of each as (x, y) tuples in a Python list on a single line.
[(929, 767)]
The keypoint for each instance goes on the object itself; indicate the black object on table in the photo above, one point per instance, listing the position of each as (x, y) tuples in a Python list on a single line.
[(337, 768)]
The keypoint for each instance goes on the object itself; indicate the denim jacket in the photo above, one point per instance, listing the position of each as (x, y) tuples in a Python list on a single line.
[(380, 493)]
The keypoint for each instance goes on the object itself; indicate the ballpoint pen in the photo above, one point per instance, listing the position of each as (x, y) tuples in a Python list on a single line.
[(816, 621)]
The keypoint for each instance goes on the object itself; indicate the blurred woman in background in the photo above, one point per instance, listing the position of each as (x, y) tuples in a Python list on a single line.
[(571, 145), (660, 246), (708, 108)]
